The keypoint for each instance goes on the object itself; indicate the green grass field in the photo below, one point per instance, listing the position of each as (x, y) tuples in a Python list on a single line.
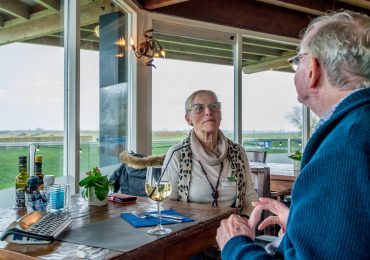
[(89, 156)]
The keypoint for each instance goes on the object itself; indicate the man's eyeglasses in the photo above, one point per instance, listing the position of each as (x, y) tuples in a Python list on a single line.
[(294, 61), (199, 108)]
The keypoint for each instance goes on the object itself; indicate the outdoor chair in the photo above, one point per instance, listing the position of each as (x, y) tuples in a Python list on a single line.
[(257, 156)]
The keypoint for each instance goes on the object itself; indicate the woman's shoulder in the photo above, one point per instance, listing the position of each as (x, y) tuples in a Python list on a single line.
[(175, 148), (173, 153)]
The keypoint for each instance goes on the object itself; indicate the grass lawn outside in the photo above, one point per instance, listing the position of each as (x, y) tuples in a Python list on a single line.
[(89, 156)]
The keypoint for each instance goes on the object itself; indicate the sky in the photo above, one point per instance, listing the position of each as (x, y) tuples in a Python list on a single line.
[(31, 91), (267, 96)]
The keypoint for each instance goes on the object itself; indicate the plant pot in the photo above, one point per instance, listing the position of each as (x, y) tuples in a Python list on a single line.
[(93, 200), (297, 167)]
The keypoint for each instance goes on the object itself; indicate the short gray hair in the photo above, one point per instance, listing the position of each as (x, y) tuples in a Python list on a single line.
[(341, 43), (190, 100)]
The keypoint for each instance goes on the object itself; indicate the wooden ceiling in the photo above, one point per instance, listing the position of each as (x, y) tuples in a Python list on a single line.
[(41, 22), (278, 17)]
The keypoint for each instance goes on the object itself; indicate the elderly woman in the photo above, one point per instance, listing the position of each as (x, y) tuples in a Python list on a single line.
[(207, 167)]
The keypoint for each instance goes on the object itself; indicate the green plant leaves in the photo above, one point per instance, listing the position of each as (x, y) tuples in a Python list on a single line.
[(101, 192), (99, 182), (297, 156), (86, 181)]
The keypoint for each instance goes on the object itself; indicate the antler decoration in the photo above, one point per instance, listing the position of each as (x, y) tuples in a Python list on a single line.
[(150, 48)]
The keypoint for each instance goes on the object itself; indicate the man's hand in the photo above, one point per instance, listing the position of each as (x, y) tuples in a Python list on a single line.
[(236, 225), (279, 209)]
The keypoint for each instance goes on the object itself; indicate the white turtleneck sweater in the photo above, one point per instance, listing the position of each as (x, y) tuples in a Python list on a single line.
[(200, 189)]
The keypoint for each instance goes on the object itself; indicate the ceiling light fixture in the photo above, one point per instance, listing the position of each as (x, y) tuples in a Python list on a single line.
[(149, 48), (121, 43), (97, 31)]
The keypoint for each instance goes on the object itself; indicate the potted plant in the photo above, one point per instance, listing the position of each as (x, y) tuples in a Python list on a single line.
[(95, 187), (296, 157)]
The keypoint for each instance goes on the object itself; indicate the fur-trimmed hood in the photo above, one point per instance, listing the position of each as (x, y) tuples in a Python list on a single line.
[(140, 162)]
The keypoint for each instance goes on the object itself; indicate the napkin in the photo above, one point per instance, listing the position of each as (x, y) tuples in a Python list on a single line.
[(152, 221)]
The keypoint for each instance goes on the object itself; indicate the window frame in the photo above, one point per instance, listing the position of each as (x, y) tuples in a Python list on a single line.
[(154, 19), (71, 165)]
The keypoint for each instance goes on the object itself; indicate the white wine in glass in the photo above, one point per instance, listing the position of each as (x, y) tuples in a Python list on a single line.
[(158, 187)]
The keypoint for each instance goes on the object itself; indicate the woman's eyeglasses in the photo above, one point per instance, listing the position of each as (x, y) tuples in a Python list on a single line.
[(199, 108), (294, 61)]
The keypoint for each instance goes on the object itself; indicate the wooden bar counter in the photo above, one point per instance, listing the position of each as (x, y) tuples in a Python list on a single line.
[(180, 244)]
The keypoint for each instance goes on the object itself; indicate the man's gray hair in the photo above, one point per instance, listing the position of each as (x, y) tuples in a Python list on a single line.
[(341, 43), (190, 100)]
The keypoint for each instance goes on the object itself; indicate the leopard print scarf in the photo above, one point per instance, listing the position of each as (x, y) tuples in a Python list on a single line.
[(234, 155)]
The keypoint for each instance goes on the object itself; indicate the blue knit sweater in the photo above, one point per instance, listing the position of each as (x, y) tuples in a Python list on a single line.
[(330, 210)]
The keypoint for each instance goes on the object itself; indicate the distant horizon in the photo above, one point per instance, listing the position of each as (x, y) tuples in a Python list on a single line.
[(157, 130)]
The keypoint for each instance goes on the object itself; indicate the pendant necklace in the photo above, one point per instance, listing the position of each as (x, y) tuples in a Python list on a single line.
[(214, 189)]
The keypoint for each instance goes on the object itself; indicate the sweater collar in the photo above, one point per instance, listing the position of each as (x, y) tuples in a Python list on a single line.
[(354, 100), (210, 158)]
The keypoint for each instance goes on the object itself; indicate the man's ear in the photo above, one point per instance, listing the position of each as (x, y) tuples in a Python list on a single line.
[(187, 118), (315, 72)]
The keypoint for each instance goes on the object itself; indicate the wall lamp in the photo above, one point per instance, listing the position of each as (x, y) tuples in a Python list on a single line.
[(149, 48)]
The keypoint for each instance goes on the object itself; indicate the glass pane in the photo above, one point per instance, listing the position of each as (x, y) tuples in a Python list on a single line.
[(272, 116), (314, 120), (190, 65), (31, 95), (104, 88)]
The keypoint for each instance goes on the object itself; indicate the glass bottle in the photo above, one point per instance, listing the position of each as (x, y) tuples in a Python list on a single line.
[(21, 183), (38, 171)]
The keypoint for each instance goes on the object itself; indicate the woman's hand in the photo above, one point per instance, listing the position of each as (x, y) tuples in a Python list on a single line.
[(279, 209)]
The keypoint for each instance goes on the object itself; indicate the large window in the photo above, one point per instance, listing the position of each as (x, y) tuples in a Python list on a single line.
[(104, 85), (169, 125), (272, 116), (191, 64), (31, 95)]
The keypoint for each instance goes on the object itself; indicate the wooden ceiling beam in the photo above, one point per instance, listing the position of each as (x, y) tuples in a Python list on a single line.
[(258, 16), (289, 70), (258, 50), (154, 4), (360, 3), (84, 36), (15, 8), (46, 25), (37, 15), (269, 44), (55, 41), (304, 6), (198, 58), (244, 14), (272, 64), (319, 7), (1, 20), (251, 57), (171, 39), (198, 50), (49, 4)]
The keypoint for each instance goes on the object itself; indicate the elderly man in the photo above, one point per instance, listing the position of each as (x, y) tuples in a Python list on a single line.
[(329, 215)]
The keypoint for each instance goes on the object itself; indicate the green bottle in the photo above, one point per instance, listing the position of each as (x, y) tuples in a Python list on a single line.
[(38, 171), (21, 183)]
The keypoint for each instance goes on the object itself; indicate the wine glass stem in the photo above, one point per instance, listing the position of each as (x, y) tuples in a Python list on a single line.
[(159, 216)]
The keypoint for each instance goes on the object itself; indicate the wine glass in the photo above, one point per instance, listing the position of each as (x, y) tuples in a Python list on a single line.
[(158, 187)]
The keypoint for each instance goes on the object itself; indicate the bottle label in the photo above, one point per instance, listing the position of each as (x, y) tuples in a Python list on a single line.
[(20, 198)]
